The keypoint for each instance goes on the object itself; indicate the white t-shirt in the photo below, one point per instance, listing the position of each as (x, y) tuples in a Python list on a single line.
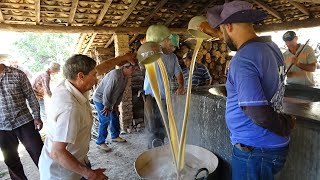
[(69, 121)]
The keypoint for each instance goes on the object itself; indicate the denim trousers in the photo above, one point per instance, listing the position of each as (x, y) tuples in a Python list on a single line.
[(259, 164), (104, 121)]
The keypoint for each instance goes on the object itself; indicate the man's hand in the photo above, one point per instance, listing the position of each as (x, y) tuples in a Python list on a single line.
[(116, 109), (206, 28), (38, 124), (180, 91), (131, 57), (294, 60), (97, 174), (105, 111)]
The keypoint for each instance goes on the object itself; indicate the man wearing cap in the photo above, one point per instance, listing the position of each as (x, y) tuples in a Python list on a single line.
[(41, 86), (168, 42), (304, 65), (255, 86), (107, 98), (201, 75), (16, 122)]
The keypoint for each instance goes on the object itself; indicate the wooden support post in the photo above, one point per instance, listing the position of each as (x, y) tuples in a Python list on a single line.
[(80, 41), (133, 38), (311, 22), (103, 11), (109, 42)]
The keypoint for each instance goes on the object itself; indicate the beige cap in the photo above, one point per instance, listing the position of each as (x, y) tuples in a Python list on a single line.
[(54, 66)]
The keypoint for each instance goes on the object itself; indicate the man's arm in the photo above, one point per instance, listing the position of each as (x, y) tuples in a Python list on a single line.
[(266, 117), (60, 154), (32, 100), (107, 65), (306, 67)]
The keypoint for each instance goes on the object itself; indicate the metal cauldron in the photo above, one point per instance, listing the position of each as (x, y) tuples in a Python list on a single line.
[(157, 164)]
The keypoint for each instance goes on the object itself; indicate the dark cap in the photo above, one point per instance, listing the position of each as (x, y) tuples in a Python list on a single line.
[(289, 36), (187, 55), (234, 12)]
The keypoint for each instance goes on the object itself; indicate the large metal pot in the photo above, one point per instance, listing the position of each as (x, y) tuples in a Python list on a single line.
[(157, 164)]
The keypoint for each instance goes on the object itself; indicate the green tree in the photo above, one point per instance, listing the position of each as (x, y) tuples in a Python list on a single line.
[(37, 50)]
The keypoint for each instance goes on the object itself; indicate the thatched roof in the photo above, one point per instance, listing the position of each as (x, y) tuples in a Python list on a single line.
[(97, 20)]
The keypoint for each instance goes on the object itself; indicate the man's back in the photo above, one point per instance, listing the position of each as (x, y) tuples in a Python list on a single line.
[(253, 79)]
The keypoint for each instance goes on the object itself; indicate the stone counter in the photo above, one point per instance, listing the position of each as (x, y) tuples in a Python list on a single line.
[(207, 129)]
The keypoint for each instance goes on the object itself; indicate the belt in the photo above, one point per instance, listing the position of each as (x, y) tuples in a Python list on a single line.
[(244, 148)]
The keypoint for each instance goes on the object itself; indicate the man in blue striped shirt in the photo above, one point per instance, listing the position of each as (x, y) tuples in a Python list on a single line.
[(201, 75)]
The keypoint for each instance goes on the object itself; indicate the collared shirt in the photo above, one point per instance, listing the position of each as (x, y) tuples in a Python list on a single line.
[(69, 121), (41, 85), (15, 89), (200, 75), (255, 78), (173, 68), (110, 90), (306, 56)]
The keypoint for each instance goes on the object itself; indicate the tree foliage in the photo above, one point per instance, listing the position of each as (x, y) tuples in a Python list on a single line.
[(38, 50)]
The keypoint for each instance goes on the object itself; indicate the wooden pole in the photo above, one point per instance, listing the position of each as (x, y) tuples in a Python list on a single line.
[(308, 23), (79, 29)]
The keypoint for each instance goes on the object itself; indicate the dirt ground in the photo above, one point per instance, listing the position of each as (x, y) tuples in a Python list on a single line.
[(119, 162)]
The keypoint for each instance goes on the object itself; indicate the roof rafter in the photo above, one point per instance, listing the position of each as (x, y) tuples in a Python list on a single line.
[(167, 23), (1, 16), (268, 9), (123, 19), (89, 43), (73, 11), (128, 12), (147, 19), (300, 7), (99, 20), (109, 42), (79, 45), (312, 1), (37, 11)]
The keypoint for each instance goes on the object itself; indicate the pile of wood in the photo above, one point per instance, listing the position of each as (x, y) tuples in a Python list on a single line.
[(212, 54)]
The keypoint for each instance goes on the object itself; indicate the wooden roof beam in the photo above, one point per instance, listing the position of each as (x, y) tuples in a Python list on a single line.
[(167, 23), (1, 16), (308, 23), (268, 9), (156, 9), (80, 29), (37, 11), (133, 38), (109, 42), (300, 7), (80, 41), (128, 12), (73, 11), (148, 18), (103, 11), (89, 43), (311, 1)]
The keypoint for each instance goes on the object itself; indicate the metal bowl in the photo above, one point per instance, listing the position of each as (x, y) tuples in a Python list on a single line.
[(193, 27), (149, 52), (157, 163)]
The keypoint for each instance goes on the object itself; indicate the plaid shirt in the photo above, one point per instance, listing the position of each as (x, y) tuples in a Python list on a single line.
[(15, 89), (41, 85)]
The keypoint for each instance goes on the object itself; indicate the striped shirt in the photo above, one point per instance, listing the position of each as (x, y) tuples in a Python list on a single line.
[(200, 75), (307, 56), (41, 85), (15, 89)]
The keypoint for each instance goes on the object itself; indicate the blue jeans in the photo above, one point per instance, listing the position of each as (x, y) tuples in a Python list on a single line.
[(259, 164), (104, 121)]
